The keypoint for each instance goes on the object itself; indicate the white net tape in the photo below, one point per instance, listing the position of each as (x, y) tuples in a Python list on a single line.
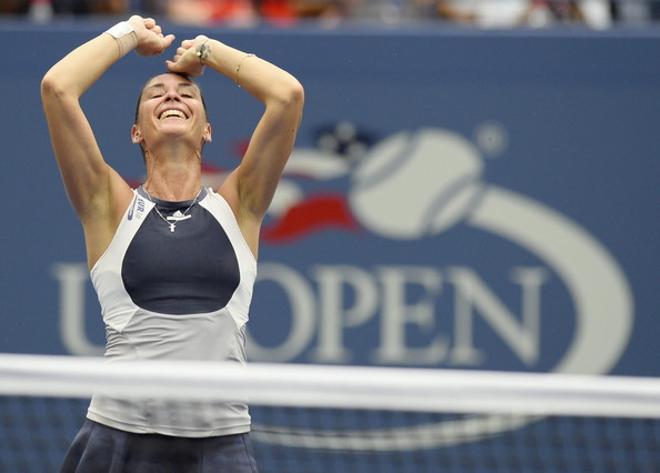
[(318, 419), (335, 386)]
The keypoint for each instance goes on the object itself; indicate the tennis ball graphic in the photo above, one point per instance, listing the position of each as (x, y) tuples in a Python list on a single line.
[(416, 184)]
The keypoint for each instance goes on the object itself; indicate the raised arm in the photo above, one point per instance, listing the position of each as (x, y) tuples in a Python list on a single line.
[(250, 187), (87, 178)]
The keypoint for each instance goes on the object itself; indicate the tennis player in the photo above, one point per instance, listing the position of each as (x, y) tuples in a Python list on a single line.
[(173, 263)]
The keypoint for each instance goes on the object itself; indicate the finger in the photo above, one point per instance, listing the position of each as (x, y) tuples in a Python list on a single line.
[(168, 40), (172, 66), (187, 43), (157, 29), (149, 23)]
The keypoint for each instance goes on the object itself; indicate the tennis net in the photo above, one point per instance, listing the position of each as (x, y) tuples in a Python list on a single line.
[(310, 418)]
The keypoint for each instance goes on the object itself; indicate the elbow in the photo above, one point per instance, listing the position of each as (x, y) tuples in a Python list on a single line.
[(296, 101), (53, 88), (290, 95), (296, 93), (50, 87)]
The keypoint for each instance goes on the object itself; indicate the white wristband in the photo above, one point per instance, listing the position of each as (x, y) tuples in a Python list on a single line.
[(124, 34), (121, 29)]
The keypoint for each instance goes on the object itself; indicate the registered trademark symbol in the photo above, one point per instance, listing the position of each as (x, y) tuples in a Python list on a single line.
[(491, 138)]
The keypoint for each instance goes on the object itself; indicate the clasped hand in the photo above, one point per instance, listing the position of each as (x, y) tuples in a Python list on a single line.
[(151, 41)]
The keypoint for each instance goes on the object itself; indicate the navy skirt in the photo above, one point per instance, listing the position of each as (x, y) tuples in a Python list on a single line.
[(101, 449)]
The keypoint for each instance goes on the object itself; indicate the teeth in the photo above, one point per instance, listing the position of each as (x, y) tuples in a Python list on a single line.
[(172, 113)]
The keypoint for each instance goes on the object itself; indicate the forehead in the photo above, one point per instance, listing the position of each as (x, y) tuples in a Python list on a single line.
[(169, 80)]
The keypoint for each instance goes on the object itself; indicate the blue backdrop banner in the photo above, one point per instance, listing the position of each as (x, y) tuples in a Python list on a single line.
[(455, 199)]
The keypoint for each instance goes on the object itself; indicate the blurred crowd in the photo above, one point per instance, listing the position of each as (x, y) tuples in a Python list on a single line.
[(481, 13)]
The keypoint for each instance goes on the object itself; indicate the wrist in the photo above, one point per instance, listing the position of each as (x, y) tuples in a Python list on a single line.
[(203, 51), (124, 36)]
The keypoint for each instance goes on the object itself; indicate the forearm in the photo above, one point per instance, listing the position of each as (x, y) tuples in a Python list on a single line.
[(83, 66), (267, 82)]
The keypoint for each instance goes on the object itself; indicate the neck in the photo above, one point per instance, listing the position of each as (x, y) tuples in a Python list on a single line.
[(173, 176)]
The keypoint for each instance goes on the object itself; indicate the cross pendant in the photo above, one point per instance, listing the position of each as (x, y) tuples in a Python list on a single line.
[(172, 227)]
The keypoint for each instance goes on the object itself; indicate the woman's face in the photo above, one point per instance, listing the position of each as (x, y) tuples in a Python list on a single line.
[(171, 108)]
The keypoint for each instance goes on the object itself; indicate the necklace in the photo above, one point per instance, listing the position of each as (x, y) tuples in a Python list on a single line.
[(177, 216)]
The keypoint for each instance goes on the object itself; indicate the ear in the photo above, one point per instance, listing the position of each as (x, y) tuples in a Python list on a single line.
[(207, 136), (136, 136)]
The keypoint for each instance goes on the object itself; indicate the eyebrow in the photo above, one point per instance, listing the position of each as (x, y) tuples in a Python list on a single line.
[(179, 85)]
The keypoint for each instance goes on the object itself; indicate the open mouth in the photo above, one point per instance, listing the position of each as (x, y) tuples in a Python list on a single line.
[(172, 113)]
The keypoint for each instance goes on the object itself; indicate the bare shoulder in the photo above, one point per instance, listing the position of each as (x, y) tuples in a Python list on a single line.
[(230, 192), (248, 224), (121, 195), (101, 223)]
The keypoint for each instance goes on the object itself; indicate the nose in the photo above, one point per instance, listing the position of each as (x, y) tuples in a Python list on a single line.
[(172, 94)]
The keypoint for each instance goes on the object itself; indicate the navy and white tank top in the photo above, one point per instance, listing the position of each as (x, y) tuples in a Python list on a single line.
[(179, 293)]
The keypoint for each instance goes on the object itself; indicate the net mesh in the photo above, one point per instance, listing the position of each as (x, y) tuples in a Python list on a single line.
[(470, 422)]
